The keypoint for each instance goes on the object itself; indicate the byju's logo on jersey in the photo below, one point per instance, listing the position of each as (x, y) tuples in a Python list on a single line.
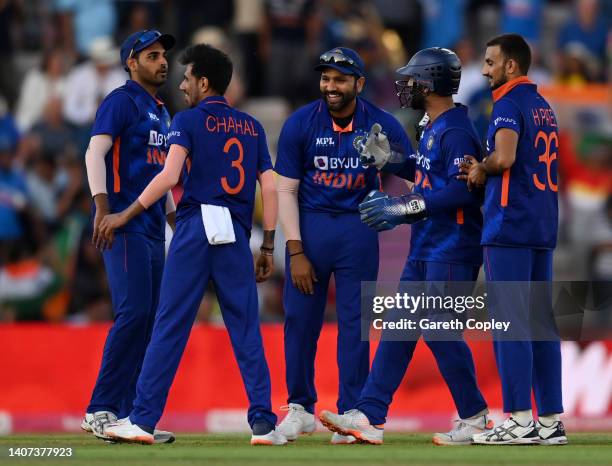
[(321, 162), (324, 142), (156, 139)]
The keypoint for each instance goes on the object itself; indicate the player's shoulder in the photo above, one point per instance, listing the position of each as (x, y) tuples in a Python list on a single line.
[(307, 112), (244, 116), (119, 96), (185, 117)]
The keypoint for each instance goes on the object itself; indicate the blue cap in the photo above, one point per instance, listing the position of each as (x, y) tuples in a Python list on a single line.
[(141, 40), (343, 59)]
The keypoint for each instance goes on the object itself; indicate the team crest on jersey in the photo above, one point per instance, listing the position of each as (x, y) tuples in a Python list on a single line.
[(321, 162), (430, 142)]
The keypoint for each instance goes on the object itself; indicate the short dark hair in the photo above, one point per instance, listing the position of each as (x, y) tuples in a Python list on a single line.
[(209, 62), (515, 47)]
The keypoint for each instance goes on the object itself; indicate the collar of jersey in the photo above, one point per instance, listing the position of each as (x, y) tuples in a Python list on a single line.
[(503, 90), (325, 119), (213, 99), (134, 86)]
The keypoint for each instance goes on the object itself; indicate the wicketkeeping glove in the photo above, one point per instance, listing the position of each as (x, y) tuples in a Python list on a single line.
[(374, 150), (382, 212)]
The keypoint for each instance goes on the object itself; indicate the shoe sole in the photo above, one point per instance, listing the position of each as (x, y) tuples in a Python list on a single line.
[(266, 443), (554, 441), (171, 439), (138, 439), (446, 443), (520, 442), (355, 433)]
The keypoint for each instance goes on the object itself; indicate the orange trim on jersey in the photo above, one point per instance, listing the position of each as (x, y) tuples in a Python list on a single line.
[(337, 128), (459, 216), (217, 102), (116, 177), (505, 186), (503, 90), (380, 188)]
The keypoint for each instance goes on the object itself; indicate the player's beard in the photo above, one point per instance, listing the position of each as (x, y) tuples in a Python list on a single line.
[(498, 83), (345, 100), (417, 98)]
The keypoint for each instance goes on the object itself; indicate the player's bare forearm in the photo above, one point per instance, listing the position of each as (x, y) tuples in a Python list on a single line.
[(268, 239), (506, 142)]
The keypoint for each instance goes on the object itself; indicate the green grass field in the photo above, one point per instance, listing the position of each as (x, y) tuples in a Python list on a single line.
[(410, 449)]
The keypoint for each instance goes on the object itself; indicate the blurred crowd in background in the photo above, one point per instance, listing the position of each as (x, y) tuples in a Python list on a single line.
[(60, 59)]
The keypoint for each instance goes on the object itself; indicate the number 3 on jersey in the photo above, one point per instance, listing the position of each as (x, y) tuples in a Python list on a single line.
[(235, 164), (546, 158)]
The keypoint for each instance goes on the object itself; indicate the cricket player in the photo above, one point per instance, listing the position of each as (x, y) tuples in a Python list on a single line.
[(444, 246), (224, 152), (127, 150), (321, 182), (519, 236)]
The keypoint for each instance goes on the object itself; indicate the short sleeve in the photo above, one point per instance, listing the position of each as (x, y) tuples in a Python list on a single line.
[(115, 114), (264, 162), (506, 115), (455, 145), (180, 131), (290, 158)]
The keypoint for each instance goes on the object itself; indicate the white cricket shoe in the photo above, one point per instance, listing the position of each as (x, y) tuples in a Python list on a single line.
[(163, 436), (464, 431), (552, 435), (272, 438), (125, 431), (101, 419), (297, 421), (355, 423), (86, 423), (510, 433), (339, 439)]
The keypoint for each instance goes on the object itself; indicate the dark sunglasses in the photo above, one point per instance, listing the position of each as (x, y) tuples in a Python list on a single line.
[(145, 37)]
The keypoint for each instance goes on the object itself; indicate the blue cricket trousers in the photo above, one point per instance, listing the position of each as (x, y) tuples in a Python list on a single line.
[(454, 358), (190, 264), (340, 244), (525, 365), (134, 269)]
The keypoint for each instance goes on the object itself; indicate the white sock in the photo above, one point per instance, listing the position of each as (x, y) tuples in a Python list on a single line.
[(478, 419), (549, 420), (523, 417)]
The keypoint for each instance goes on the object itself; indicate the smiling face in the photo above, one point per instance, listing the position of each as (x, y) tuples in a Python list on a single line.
[(339, 91), (192, 87), (495, 67), (150, 65)]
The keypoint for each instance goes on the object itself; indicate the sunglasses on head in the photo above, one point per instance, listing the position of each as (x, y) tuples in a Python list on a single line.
[(335, 56), (144, 38)]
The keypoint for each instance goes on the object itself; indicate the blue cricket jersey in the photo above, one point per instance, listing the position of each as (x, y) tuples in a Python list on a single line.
[(521, 204), (314, 150), (227, 149), (451, 235), (138, 124)]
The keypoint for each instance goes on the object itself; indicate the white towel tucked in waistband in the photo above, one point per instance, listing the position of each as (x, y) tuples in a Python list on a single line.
[(218, 224)]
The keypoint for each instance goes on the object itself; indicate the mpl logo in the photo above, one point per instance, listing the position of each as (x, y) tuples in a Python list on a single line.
[(153, 116), (321, 162), (324, 142)]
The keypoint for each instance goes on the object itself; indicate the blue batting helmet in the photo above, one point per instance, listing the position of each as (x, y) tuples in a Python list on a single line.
[(437, 69)]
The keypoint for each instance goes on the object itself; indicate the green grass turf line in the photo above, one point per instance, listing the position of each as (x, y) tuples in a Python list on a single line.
[(409, 449)]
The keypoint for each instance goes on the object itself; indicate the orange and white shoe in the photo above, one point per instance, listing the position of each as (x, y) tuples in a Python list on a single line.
[(355, 423), (125, 431), (272, 438), (464, 431)]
